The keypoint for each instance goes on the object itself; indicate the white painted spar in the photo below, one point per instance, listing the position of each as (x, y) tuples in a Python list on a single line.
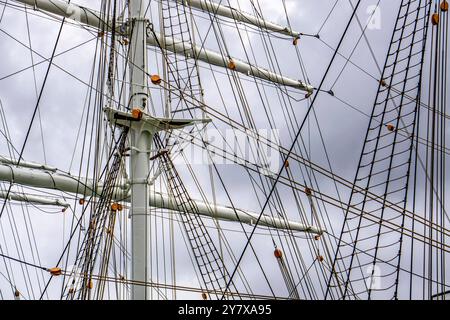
[(238, 15), (51, 180), (27, 164), (217, 59), (22, 197), (68, 10), (92, 18), (84, 186)]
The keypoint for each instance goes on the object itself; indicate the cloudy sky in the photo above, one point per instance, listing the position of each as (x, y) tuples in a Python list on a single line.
[(337, 125)]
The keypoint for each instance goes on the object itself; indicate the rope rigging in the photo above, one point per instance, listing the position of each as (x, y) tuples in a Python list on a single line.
[(209, 261), (385, 163), (389, 240)]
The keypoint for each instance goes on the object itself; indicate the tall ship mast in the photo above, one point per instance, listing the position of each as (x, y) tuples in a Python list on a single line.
[(212, 149)]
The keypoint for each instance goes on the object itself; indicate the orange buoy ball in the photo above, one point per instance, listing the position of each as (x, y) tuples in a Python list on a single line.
[(390, 127), (55, 271), (278, 253), (435, 19), (136, 113), (155, 79), (308, 191), (115, 206), (231, 64)]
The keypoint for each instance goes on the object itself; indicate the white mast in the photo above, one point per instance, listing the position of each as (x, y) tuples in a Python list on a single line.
[(140, 144)]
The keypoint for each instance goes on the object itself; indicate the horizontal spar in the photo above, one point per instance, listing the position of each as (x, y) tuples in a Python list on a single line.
[(33, 199), (63, 182), (92, 18), (217, 59), (67, 10), (26, 164), (238, 15)]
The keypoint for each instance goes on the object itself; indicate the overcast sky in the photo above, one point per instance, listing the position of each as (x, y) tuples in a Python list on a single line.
[(63, 105)]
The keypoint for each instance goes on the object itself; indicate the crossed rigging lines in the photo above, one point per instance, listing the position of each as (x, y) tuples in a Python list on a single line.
[(290, 181), (386, 165), (35, 112)]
